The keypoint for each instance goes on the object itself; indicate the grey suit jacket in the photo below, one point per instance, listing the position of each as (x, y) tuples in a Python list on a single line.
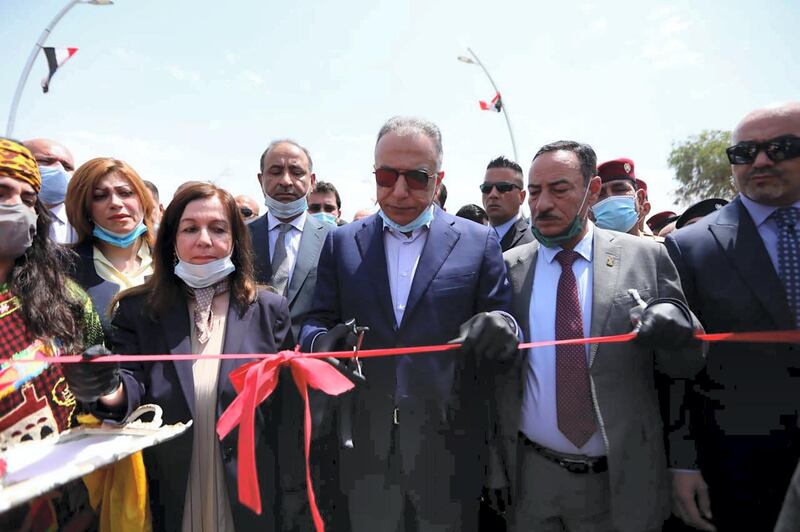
[(518, 234), (621, 374), (300, 292)]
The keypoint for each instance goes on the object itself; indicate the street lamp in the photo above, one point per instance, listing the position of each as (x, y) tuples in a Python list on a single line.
[(12, 115), (475, 61)]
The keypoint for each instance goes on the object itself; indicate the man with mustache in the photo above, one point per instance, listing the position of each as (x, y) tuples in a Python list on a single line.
[(503, 195), (580, 428), (739, 269)]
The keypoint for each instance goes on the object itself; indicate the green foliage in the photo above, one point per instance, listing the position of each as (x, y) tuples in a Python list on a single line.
[(701, 166)]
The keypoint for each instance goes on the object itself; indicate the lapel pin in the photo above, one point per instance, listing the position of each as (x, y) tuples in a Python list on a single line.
[(610, 260)]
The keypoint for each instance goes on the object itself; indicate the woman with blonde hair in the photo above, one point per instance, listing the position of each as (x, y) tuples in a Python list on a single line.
[(112, 211)]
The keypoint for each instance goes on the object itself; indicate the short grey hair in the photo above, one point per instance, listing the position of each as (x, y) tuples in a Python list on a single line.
[(408, 125), (286, 141)]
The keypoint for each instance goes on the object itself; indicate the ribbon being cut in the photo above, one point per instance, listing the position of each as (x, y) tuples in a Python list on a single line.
[(256, 381)]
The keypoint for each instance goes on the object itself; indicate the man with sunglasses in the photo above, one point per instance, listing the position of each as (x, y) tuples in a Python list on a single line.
[(416, 276), (503, 195), (735, 452), (325, 204)]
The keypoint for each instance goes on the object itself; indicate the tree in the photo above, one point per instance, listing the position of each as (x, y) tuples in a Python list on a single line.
[(702, 167)]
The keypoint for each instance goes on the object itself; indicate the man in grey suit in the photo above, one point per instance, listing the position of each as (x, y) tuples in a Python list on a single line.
[(286, 243), (503, 194), (580, 444)]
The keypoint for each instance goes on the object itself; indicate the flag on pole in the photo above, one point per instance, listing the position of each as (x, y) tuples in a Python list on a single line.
[(495, 105), (55, 58)]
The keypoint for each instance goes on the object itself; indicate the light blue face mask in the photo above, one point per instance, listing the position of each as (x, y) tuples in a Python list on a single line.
[(617, 213), (424, 218), (325, 217), (285, 210), (205, 275), (117, 239), (54, 184)]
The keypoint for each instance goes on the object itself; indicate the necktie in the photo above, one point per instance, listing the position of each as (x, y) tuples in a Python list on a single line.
[(280, 262), (203, 315), (576, 419), (789, 257)]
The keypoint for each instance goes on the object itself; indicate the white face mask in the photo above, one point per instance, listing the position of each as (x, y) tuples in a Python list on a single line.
[(286, 210), (204, 275)]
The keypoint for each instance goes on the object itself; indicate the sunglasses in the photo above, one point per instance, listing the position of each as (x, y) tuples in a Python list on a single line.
[(247, 212), (316, 207), (777, 149), (415, 179), (501, 186)]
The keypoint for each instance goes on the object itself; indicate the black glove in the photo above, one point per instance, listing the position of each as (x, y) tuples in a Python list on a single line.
[(498, 500), (488, 335), (666, 324), (341, 337), (90, 381)]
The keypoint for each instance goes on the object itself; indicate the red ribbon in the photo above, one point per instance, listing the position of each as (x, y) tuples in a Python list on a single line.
[(254, 383)]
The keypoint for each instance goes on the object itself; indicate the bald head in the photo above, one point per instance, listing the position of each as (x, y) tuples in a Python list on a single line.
[(49, 153), (767, 181)]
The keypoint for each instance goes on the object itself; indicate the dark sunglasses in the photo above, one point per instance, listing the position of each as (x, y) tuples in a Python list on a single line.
[(501, 186), (316, 207), (415, 179), (777, 149), (247, 212)]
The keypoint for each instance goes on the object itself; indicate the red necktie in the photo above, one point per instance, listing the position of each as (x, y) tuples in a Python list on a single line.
[(576, 418)]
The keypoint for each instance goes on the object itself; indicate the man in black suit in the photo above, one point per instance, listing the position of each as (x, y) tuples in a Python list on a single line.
[(503, 195), (734, 450)]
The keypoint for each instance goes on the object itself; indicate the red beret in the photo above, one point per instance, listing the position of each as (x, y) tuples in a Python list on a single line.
[(616, 169), (660, 219)]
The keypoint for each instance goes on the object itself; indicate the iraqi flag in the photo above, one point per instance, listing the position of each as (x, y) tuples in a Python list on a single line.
[(55, 58), (495, 105)]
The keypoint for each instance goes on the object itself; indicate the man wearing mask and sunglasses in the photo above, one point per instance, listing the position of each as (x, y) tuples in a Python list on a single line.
[(503, 194), (325, 204), (734, 456), (416, 276), (56, 165)]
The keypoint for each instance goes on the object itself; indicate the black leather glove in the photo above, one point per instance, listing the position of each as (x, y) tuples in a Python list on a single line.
[(90, 381), (340, 337), (490, 336), (666, 323), (498, 500)]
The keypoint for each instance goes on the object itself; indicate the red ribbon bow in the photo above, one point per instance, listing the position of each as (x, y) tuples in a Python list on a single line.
[(256, 381)]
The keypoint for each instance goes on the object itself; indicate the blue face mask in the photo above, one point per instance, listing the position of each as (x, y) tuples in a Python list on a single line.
[(54, 184), (617, 213), (423, 219), (117, 239), (325, 217), (285, 210)]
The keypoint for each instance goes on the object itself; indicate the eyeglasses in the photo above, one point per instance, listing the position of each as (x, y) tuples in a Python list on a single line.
[(501, 186), (777, 149), (316, 207), (247, 212), (415, 179)]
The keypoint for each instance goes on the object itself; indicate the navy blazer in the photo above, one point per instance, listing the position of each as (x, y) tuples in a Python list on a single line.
[(100, 291), (732, 286), (259, 328), (441, 398)]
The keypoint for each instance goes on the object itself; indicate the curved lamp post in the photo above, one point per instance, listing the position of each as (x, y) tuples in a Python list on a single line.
[(12, 115), (475, 61)]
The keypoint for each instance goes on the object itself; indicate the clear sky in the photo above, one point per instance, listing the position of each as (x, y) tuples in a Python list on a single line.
[(186, 89)]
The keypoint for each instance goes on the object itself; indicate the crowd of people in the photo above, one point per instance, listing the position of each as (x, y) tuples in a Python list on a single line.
[(564, 436)]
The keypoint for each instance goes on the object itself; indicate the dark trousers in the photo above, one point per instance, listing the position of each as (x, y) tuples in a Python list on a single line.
[(748, 476)]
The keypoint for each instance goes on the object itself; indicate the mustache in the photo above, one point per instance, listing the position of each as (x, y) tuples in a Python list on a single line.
[(764, 172), (547, 215)]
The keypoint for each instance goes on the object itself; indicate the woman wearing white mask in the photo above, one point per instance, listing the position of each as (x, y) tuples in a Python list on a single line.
[(202, 298), (112, 211)]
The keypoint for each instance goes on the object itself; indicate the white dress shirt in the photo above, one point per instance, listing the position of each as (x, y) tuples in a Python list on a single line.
[(292, 237), (539, 421), (61, 231), (402, 257)]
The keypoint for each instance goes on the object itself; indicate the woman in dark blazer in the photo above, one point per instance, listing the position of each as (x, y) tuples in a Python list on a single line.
[(111, 211), (202, 298)]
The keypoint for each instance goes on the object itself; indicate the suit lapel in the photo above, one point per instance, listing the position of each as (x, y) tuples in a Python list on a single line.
[(236, 329), (441, 239), (521, 275), (738, 237), (307, 256), (259, 233), (606, 257), (175, 323), (369, 240)]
